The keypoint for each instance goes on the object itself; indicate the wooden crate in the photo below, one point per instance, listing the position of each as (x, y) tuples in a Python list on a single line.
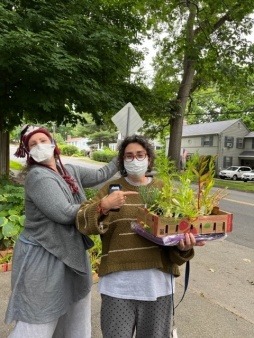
[(162, 226)]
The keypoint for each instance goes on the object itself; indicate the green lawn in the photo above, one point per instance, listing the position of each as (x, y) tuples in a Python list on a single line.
[(235, 185)]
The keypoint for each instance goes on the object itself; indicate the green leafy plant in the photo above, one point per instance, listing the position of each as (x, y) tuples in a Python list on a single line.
[(16, 165), (186, 194), (11, 213), (193, 195), (96, 250), (6, 258), (95, 253)]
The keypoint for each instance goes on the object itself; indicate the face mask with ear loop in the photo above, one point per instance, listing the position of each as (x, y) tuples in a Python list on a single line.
[(136, 167), (42, 152)]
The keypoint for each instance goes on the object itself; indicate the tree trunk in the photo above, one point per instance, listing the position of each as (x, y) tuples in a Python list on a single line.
[(4, 153), (176, 124), (176, 119)]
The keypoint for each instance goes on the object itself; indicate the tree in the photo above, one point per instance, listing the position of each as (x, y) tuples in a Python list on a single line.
[(103, 138), (210, 104), (203, 43), (61, 58)]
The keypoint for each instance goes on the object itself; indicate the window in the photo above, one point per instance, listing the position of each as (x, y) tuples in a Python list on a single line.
[(239, 143), (207, 141), (227, 161), (229, 142)]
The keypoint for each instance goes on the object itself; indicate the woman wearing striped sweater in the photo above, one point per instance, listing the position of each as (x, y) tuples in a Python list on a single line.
[(136, 276)]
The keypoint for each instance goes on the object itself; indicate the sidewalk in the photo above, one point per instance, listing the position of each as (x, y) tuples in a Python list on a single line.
[(219, 302)]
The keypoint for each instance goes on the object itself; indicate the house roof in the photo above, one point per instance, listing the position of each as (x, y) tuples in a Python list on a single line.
[(76, 139), (251, 134), (246, 154), (210, 128)]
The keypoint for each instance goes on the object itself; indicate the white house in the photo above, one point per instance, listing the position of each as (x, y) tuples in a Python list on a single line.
[(79, 142)]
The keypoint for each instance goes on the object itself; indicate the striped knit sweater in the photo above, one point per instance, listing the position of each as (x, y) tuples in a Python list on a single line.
[(122, 249)]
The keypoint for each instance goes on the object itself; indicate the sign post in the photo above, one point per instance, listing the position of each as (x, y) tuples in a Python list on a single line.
[(127, 120)]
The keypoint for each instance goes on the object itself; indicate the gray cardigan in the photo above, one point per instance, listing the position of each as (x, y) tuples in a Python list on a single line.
[(51, 209)]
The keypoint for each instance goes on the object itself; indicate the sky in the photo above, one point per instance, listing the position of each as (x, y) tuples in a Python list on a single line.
[(148, 46)]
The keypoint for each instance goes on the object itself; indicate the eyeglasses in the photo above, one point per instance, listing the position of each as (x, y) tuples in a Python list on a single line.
[(140, 156)]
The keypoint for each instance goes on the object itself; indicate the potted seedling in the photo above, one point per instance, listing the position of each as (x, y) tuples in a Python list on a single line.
[(186, 202)]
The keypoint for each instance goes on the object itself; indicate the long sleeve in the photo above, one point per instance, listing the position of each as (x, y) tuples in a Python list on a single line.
[(89, 220), (90, 177)]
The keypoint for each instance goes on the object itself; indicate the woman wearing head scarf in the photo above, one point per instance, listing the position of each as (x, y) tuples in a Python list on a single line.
[(136, 275), (51, 277)]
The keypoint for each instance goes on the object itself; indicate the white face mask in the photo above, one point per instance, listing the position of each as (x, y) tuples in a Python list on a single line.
[(42, 152), (136, 168)]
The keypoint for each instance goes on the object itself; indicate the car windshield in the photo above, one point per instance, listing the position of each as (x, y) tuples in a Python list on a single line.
[(232, 168)]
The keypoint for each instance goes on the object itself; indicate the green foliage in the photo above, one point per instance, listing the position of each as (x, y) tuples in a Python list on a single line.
[(69, 150), (167, 173), (95, 253), (212, 104), (14, 165), (59, 59), (150, 198), (104, 155), (185, 194), (204, 45), (6, 258), (90, 193), (193, 196), (11, 213), (58, 138)]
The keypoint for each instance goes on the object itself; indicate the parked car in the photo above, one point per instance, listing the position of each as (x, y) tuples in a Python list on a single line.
[(248, 176), (234, 172)]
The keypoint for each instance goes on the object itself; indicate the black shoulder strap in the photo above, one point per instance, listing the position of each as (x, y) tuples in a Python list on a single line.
[(186, 282)]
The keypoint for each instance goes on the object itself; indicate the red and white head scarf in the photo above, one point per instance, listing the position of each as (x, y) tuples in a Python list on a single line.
[(23, 151)]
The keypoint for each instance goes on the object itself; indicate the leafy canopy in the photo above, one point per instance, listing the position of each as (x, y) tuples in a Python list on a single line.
[(60, 58)]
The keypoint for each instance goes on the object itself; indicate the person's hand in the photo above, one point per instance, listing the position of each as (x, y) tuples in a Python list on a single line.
[(116, 199), (189, 242)]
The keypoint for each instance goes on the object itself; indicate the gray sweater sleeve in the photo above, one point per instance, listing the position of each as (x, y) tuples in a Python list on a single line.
[(90, 177), (47, 197)]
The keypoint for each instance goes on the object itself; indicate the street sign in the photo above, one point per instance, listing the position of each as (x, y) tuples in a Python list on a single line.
[(127, 120)]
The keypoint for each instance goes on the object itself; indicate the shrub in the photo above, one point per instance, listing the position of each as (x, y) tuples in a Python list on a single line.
[(11, 212), (104, 155), (14, 165), (68, 150), (95, 251), (90, 192)]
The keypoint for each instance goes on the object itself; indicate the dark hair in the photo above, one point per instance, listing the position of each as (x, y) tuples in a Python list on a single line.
[(135, 139)]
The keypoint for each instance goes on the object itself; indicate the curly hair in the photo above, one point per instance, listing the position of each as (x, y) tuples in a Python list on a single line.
[(135, 139)]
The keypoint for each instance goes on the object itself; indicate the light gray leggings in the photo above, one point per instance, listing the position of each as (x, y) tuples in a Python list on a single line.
[(76, 323)]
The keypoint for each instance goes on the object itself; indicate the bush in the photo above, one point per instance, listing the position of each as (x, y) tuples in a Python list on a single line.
[(95, 253), (104, 155), (96, 250), (14, 165), (11, 212), (68, 150), (91, 192)]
